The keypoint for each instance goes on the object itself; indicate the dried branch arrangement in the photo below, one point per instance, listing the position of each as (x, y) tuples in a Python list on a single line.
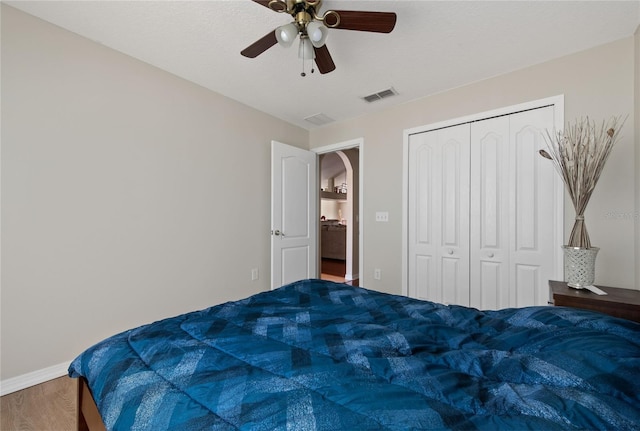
[(579, 154)]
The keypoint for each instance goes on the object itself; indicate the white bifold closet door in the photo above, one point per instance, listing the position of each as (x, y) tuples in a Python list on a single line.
[(481, 205), (439, 220)]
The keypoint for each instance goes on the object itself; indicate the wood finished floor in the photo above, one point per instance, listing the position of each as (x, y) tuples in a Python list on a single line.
[(334, 270), (50, 406)]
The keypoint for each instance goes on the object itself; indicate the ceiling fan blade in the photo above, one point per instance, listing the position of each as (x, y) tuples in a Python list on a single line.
[(379, 22), (264, 3), (276, 6), (260, 45), (323, 60)]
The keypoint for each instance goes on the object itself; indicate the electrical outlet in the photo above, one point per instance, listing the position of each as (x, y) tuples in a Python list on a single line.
[(254, 274), (376, 274), (382, 216)]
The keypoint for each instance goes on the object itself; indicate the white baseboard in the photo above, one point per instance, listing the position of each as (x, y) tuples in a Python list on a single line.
[(33, 378), (351, 277)]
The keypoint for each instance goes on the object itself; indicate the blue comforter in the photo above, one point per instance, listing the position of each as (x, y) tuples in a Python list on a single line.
[(316, 355)]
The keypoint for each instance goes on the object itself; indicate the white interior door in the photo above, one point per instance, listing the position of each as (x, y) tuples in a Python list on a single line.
[(294, 196), (490, 213), (438, 216), (514, 218), (533, 180)]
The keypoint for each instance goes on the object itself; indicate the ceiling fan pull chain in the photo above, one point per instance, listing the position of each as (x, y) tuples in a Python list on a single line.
[(303, 46), (302, 74)]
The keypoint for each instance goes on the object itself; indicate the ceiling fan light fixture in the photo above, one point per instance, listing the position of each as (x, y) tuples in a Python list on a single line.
[(305, 50), (317, 33), (312, 27), (286, 34)]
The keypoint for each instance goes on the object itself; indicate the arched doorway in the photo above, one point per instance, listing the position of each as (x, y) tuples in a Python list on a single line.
[(339, 230)]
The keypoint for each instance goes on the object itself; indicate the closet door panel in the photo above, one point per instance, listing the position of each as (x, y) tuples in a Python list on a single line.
[(527, 178), (424, 216), (425, 278), (489, 198), (451, 183), (533, 204), (438, 222), (528, 278), (454, 243), (491, 275), (451, 288), (426, 171)]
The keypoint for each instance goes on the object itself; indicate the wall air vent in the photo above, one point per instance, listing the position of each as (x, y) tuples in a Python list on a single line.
[(319, 119), (380, 95)]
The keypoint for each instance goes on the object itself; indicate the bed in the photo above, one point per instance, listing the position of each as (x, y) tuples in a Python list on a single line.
[(317, 355)]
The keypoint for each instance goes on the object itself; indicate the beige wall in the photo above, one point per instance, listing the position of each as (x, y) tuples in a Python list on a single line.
[(598, 82), (124, 194), (122, 203), (636, 214)]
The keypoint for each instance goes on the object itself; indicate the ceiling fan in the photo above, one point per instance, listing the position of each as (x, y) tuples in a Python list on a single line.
[(312, 28)]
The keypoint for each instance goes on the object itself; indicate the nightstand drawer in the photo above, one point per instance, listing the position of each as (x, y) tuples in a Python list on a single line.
[(618, 302)]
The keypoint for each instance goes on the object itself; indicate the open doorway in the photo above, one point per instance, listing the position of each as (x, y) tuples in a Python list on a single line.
[(339, 235)]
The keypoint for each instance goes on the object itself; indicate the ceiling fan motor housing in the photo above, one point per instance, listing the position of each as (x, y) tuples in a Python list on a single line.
[(303, 18)]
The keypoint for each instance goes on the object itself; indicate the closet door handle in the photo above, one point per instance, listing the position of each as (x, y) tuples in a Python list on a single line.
[(490, 255), (450, 252)]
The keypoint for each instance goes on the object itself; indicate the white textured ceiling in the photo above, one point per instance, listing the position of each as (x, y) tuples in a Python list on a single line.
[(435, 46)]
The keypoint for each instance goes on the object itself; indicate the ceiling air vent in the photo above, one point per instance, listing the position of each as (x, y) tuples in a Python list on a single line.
[(380, 95), (319, 119)]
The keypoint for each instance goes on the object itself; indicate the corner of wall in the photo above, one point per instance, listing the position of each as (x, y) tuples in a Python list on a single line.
[(636, 132)]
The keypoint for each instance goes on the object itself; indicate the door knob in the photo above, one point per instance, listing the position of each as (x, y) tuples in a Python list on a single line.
[(450, 252), (490, 254), (277, 232)]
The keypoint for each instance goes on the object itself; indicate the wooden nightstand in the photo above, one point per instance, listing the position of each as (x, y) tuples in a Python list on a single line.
[(618, 302)]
